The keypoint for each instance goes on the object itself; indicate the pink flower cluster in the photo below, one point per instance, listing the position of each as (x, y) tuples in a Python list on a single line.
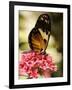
[(31, 62)]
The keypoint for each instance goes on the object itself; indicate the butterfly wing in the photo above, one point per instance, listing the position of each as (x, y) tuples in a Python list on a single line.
[(39, 36), (45, 36), (36, 41)]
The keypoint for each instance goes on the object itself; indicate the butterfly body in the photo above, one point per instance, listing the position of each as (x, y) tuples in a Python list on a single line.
[(39, 35)]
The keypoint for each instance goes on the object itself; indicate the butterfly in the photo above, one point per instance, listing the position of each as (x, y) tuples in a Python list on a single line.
[(39, 36)]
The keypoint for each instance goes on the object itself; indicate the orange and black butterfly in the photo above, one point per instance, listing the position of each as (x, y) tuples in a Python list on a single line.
[(39, 35)]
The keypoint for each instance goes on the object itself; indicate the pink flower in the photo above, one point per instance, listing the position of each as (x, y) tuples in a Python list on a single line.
[(33, 73), (31, 62)]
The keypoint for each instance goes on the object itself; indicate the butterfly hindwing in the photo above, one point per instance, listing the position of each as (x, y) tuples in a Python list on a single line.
[(36, 40)]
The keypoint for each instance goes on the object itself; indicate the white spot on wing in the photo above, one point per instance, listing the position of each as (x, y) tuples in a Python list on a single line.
[(44, 35)]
